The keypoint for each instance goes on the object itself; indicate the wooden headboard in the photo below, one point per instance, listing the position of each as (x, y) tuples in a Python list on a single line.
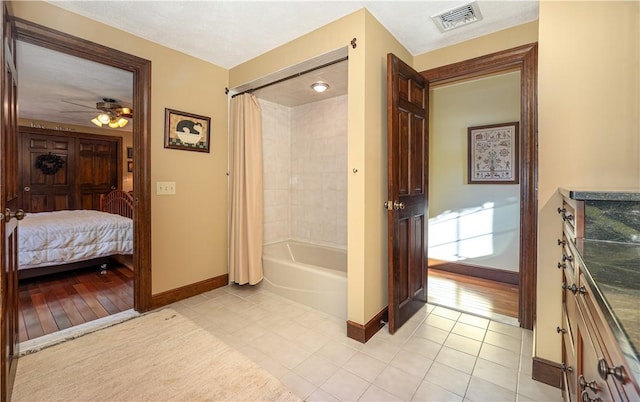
[(117, 202)]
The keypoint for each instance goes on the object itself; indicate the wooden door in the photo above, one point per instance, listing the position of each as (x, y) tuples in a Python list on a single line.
[(8, 209), (97, 171), (407, 159), (46, 188)]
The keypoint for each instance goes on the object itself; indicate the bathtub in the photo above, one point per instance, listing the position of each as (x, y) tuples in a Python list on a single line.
[(313, 275)]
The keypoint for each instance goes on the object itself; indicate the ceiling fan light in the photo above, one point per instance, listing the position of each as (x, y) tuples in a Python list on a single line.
[(122, 122), (125, 110), (96, 122), (104, 118)]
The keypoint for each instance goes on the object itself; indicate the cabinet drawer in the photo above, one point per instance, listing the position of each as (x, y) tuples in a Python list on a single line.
[(590, 384), (572, 214)]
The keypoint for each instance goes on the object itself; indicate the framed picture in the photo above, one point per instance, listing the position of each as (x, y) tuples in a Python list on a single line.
[(493, 154), (129, 166), (130, 152), (186, 131)]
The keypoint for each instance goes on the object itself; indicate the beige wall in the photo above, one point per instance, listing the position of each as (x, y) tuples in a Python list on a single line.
[(477, 224), (588, 100), (127, 141), (189, 243)]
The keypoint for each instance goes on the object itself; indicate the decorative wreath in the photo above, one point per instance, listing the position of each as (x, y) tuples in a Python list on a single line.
[(49, 163)]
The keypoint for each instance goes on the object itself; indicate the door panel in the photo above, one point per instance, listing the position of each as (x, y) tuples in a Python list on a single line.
[(407, 152), (45, 192), (8, 203)]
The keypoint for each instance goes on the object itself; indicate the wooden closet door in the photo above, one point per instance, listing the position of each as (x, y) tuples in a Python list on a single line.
[(97, 171), (46, 192)]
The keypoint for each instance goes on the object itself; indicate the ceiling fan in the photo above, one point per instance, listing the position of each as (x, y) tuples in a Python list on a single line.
[(110, 113)]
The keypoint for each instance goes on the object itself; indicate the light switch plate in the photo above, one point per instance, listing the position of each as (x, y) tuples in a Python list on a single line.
[(166, 188)]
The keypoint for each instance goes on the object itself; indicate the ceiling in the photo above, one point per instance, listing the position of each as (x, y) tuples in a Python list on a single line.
[(230, 33)]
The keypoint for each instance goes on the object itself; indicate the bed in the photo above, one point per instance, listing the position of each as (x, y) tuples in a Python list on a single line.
[(51, 242)]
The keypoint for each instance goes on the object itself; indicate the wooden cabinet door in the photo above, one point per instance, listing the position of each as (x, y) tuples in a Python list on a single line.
[(97, 171), (44, 191)]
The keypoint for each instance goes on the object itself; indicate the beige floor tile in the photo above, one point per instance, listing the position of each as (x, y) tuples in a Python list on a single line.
[(381, 350), (424, 347), (504, 341), (482, 391), (463, 344), (440, 322), (316, 369), (469, 331), (474, 320), (320, 395), (533, 389), (337, 353), (500, 375), (376, 394), (456, 359), (429, 392), (398, 382), (345, 386), (413, 363), (431, 333), (505, 329), (298, 385), (446, 313), (501, 356), (448, 378), (364, 366)]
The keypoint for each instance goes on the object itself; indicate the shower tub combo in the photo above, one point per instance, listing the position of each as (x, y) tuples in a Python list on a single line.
[(313, 275)]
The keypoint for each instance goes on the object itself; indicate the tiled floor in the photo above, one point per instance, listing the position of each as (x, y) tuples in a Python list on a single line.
[(439, 355)]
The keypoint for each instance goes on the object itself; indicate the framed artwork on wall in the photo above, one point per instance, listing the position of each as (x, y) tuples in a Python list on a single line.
[(129, 166), (130, 152), (493, 154), (186, 131)]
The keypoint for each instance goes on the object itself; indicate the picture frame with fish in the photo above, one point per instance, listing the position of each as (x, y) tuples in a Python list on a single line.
[(186, 131)]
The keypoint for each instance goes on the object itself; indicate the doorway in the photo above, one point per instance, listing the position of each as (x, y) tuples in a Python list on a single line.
[(522, 59), (57, 41)]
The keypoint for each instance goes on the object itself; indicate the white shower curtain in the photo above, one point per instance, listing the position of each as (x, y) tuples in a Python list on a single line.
[(246, 227)]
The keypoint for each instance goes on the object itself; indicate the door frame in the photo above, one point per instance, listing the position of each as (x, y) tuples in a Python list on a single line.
[(525, 59), (62, 42)]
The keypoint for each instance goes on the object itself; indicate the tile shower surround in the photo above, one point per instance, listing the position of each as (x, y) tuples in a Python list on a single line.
[(305, 172)]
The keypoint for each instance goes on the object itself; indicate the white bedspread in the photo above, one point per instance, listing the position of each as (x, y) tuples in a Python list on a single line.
[(53, 238)]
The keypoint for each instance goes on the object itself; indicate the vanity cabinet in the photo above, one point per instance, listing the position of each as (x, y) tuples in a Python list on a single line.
[(599, 356)]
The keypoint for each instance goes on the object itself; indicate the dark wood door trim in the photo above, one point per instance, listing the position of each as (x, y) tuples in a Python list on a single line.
[(59, 41), (525, 59)]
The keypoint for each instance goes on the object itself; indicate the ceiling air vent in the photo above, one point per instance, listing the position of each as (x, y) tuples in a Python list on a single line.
[(457, 17)]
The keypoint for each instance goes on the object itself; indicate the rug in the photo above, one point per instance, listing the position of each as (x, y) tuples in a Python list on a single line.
[(158, 356)]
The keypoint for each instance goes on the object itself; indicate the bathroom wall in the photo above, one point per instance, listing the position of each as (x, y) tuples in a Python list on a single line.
[(319, 172), (305, 179), (276, 149)]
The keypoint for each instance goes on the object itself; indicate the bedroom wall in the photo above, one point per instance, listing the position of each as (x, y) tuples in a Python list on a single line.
[(189, 231), (477, 224), (127, 141)]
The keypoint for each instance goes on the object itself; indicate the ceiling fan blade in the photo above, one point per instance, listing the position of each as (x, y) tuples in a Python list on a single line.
[(79, 111), (77, 104)]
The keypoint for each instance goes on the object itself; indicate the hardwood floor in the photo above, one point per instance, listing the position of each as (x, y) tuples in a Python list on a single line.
[(474, 295), (54, 302)]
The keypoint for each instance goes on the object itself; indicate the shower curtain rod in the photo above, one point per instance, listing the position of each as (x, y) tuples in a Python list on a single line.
[(291, 76)]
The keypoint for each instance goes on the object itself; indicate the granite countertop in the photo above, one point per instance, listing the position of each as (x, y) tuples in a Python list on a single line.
[(614, 194), (613, 270)]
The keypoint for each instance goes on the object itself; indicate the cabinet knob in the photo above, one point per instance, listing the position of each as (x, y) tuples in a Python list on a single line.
[(561, 242), (562, 265), (561, 210), (584, 397), (559, 330), (584, 384), (604, 370), (567, 257), (567, 217)]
